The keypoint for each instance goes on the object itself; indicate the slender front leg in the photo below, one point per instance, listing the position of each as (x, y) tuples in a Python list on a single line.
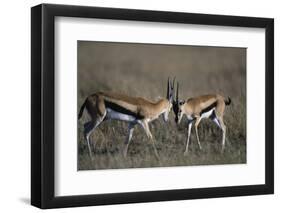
[(149, 135), (129, 137), (196, 130), (189, 126)]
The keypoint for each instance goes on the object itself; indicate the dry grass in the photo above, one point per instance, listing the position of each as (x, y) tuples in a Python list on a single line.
[(142, 70)]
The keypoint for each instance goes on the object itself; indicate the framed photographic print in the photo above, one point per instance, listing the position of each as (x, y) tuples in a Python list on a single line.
[(139, 106)]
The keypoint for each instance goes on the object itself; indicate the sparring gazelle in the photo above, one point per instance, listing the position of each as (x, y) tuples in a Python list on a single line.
[(205, 106), (103, 106)]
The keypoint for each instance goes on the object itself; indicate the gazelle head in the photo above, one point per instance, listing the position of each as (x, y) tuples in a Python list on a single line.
[(170, 98), (178, 106)]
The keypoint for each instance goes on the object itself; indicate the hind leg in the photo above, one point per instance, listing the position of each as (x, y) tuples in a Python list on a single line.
[(189, 126), (129, 137), (223, 127), (89, 127), (87, 132), (220, 123), (196, 131), (217, 118), (214, 118)]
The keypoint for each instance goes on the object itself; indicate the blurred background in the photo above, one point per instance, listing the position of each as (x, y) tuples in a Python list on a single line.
[(142, 70)]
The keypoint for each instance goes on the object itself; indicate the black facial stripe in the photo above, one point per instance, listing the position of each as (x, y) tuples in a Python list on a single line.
[(122, 110), (208, 108)]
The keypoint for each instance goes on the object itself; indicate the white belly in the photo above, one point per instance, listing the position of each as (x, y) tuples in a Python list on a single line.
[(111, 114), (207, 114)]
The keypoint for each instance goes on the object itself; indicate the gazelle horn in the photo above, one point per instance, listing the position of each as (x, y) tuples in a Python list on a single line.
[(168, 88), (177, 97)]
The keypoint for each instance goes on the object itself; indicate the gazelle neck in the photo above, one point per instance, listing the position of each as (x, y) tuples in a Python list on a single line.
[(161, 105), (187, 109), (158, 108)]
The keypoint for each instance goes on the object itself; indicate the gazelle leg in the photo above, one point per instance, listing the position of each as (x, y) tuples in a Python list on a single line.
[(216, 122), (149, 135), (196, 131), (189, 126), (129, 137), (223, 128), (88, 129)]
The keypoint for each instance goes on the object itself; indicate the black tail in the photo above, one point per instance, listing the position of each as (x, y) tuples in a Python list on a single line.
[(82, 109), (227, 102)]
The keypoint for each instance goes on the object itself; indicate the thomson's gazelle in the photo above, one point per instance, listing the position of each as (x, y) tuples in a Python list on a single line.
[(104, 106), (196, 108)]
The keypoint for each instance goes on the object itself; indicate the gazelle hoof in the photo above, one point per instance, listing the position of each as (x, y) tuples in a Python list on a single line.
[(185, 153)]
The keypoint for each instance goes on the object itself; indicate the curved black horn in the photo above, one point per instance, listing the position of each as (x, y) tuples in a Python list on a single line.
[(173, 86), (168, 88), (177, 97)]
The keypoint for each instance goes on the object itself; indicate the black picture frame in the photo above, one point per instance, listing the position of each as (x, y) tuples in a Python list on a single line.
[(43, 102)]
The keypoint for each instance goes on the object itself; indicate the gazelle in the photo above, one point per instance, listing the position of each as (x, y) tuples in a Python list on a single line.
[(104, 106), (196, 108)]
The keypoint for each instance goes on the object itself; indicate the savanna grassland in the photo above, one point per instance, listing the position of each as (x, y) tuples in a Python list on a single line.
[(142, 70)]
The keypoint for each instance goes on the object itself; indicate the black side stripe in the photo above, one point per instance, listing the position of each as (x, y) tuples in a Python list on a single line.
[(208, 108), (121, 109)]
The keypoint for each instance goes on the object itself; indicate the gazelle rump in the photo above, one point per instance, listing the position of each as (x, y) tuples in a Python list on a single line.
[(205, 106), (103, 106)]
